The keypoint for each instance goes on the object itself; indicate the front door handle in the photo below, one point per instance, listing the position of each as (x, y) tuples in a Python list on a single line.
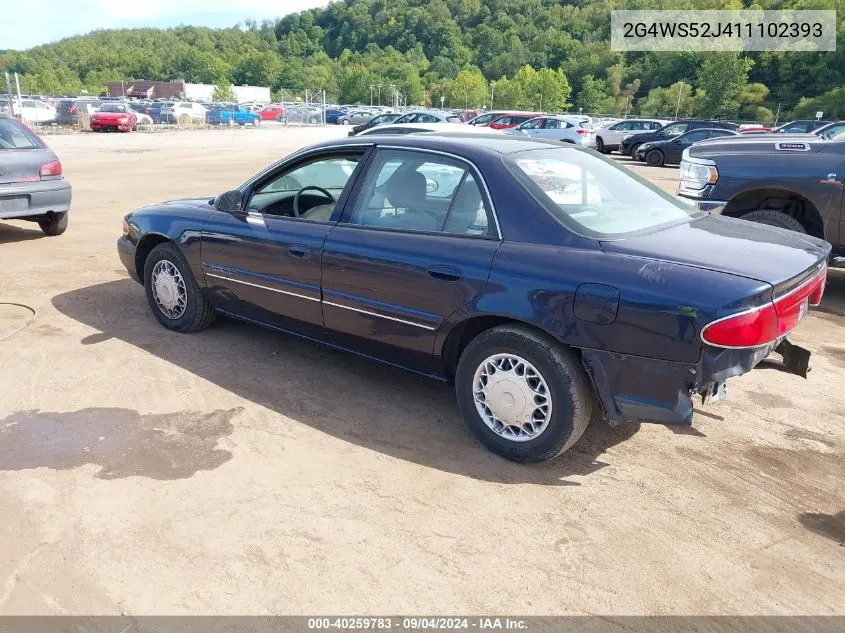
[(297, 250), (445, 273)]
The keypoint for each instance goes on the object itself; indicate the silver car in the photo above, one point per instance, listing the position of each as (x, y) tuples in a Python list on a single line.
[(567, 129), (32, 186), (355, 117), (428, 116)]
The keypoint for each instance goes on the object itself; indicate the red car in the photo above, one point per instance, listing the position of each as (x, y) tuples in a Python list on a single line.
[(511, 119), (114, 116), (270, 112)]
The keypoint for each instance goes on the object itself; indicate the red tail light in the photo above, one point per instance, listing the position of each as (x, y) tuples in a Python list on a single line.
[(51, 170), (767, 323), (581, 131)]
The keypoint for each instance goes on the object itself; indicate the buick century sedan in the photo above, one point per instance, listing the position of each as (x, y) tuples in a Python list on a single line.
[(543, 280)]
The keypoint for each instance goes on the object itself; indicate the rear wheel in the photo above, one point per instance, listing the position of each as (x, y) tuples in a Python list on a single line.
[(173, 293), (655, 158), (773, 217), (524, 396), (53, 224), (345, 122)]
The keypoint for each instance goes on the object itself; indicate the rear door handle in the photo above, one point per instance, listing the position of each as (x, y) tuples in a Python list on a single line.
[(445, 273), (298, 250)]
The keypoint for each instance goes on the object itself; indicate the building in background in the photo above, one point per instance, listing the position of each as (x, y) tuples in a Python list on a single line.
[(179, 89)]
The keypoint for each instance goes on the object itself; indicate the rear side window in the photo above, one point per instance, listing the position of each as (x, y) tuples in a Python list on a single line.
[(416, 191), (14, 136)]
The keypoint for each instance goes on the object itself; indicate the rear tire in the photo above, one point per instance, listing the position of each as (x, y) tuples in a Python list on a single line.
[(345, 122), (559, 384), (54, 224), (196, 313), (655, 158), (772, 217)]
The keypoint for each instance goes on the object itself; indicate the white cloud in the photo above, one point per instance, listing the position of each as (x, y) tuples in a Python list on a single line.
[(34, 22)]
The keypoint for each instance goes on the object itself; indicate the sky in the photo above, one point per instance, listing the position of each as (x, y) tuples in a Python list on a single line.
[(28, 23)]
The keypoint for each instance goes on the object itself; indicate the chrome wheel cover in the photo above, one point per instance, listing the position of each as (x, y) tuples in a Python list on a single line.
[(169, 291), (512, 397)]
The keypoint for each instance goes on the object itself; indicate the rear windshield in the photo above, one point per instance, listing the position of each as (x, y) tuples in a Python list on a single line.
[(453, 119), (593, 196), (15, 136)]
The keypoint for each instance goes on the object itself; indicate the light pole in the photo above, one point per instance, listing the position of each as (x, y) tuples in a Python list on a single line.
[(678, 106), (379, 94), (492, 86), (372, 87), (540, 97), (394, 95), (466, 102), (627, 101)]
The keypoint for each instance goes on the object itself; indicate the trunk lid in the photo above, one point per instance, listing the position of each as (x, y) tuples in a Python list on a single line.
[(782, 258), (23, 165)]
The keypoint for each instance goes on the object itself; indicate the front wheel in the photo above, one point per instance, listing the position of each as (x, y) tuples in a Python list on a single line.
[(655, 158), (173, 293), (523, 395), (345, 122), (600, 146), (54, 224), (774, 217), (633, 153)]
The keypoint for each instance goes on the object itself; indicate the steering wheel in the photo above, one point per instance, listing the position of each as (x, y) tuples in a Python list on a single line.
[(296, 213)]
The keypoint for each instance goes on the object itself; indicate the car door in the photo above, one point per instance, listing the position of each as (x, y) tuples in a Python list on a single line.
[(415, 246), (532, 127), (613, 135), (674, 149), (264, 263)]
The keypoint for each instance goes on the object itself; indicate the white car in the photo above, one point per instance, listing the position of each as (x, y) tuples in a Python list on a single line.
[(610, 138), (183, 111), (34, 111), (567, 129)]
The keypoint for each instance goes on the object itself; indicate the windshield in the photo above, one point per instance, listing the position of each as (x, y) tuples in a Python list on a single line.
[(112, 107), (592, 195)]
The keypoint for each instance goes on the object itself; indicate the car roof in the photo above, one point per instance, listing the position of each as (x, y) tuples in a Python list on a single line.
[(458, 142)]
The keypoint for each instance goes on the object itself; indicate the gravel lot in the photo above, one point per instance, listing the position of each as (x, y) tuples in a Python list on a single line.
[(241, 471)]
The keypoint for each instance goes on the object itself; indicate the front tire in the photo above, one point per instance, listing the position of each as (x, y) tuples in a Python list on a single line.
[(655, 158), (634, 149), (172, 292), (345, 122), (54, 224), (772, 217), (523, 395), (600, 146)]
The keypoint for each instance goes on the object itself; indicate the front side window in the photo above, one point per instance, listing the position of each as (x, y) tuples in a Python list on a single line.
[(276, 197), (694, 137), (676, 129), (594, 196), (622, 127), (505, 120), (554, 124), (484, 119), (416, 191), (533, 124)]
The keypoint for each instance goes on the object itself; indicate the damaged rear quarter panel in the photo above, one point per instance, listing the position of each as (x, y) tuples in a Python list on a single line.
[(648, 360)]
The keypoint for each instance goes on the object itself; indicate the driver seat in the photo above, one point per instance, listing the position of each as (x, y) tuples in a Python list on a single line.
[(320, 213)]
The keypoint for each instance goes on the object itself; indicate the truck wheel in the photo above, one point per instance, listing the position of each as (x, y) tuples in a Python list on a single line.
[(54, 224), (773, 217), (525, 397), (172, 292), (655, 158), (600, 146)]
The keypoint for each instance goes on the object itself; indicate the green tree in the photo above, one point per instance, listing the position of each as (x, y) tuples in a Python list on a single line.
[(224, 92), (831, 103), (722, 77), (593, 95), (666, 102)]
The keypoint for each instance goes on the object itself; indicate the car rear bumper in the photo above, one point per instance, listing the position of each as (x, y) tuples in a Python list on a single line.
[(25, 199), (637, 389), (126, 252)]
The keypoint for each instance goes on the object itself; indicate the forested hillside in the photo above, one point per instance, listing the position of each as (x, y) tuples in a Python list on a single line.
[(553, 55)]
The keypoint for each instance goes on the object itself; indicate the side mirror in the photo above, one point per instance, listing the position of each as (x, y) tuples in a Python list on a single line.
[(229, 202)]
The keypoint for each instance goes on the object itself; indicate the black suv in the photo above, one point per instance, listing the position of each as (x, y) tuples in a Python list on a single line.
[(631, 143)]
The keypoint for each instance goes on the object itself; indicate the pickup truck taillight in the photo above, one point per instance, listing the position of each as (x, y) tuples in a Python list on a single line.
[(763, 325), (51, 170)]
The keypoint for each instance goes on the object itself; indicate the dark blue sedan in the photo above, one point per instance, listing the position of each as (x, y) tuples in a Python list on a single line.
[(544, 280)]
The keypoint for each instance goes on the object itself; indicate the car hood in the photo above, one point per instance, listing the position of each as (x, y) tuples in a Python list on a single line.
[(738, 247), (109, 116)]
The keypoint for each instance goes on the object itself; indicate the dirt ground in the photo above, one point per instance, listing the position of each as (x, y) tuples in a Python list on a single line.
[(239, 471)]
